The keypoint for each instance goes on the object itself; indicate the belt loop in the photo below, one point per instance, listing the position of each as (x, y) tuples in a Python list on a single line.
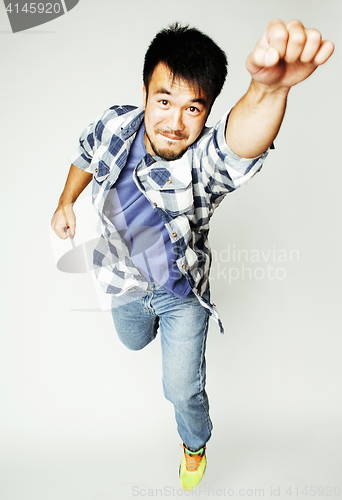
[(146, 300)]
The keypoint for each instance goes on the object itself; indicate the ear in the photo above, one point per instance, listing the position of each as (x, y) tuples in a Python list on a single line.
[(144, 95)]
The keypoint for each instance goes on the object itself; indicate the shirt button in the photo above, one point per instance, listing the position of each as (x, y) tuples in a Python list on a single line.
[(169, 181), (183, 266), (96, 170), (155, 204), (174, 235)]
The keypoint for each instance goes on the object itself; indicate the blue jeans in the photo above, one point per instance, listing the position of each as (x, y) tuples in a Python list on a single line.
[(183, 326)]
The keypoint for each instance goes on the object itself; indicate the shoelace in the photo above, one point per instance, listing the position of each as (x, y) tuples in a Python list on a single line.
[(192, 462)]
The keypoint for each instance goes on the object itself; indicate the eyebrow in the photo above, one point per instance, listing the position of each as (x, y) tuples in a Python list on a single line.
[(200, 100)]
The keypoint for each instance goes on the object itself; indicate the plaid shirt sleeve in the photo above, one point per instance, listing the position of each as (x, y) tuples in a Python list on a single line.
[(221, 170), (83, 156), (91, 139)]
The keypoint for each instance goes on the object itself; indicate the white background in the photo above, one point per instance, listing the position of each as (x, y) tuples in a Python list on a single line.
[(81, 416)]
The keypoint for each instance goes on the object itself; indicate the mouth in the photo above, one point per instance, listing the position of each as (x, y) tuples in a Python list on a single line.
[(170, 137)]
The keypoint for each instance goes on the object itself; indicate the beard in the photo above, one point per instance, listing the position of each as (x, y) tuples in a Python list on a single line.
[(165, 153)]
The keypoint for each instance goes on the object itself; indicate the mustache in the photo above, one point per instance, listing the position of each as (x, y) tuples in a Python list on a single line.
[(174, 133)]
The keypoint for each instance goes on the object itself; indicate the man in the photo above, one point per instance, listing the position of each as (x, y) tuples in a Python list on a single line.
[(158, 174)]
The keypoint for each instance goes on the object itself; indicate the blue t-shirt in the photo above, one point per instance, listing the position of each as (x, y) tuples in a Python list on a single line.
[(142, 228)]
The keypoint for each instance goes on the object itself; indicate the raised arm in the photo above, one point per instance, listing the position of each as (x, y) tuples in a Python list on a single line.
[(63, 221), (287, 54)]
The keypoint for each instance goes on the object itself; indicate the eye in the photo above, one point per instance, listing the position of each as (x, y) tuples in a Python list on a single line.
[(193, 109), (164, 102)]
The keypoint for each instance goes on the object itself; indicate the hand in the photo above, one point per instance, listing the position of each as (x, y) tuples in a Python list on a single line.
[(63, 222), (287, 54)]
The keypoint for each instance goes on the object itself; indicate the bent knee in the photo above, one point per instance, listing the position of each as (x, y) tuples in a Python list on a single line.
[(135, 336), (133, 344), (179, 394)]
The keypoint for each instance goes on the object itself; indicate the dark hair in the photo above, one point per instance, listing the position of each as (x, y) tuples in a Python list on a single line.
[(191, 55)]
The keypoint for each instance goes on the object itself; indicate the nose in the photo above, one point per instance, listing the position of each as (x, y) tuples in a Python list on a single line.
[(175, 121)]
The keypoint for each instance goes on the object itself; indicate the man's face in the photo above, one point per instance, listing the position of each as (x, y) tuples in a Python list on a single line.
[(175, 114)]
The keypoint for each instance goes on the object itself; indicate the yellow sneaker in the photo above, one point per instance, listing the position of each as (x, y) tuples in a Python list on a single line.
[(192, 468)]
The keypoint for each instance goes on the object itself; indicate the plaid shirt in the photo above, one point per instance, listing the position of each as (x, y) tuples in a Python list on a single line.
[(184, 192)]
